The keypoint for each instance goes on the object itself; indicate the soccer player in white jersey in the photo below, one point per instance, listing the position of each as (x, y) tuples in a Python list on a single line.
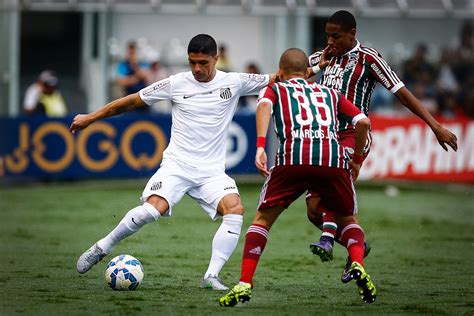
[(204, 102), (354, 70)]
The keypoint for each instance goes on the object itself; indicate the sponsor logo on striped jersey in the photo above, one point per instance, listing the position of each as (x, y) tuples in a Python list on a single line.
[(381, 75)]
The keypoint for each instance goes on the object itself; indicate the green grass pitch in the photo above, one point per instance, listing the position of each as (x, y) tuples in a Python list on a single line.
[(421, 261)]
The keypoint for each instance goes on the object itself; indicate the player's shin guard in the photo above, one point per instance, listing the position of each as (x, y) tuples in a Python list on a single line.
[(135, 219), (353, 238), (224, 242), (255, 241)]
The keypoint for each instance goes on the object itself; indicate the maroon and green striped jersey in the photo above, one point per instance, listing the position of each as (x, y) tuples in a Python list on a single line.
[(355, 75), (306, 119)]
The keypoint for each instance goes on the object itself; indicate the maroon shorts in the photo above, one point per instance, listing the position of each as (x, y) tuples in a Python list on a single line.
[(286, 183), (347, 140)]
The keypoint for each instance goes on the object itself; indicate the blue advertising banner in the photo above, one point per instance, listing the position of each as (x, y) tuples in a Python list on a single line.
[(125, 146)]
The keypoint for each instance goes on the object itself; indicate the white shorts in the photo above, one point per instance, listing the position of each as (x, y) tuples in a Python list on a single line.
[(173, 179)]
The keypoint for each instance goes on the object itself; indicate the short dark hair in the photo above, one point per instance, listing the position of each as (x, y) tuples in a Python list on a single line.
[(293, 60), (343, 18), (131, 44), (203, 44)]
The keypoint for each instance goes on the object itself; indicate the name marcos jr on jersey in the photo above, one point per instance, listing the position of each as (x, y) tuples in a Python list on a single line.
[(308, 133)]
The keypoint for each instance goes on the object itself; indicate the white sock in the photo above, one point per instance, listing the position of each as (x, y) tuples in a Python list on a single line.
[(135, 219), (224, 242)]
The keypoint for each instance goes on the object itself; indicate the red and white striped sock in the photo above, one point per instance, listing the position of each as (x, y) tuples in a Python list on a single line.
[(352, 237), (255, 241), (329, 226)]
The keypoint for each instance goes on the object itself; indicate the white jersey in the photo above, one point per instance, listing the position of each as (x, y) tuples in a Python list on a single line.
[(202, 113)]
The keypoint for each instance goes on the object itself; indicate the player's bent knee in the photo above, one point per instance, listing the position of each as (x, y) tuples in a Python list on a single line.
[(234, 207), (237, 209), (230, 204), (346, 220), (158, 203), (312, 204), (315, 217)]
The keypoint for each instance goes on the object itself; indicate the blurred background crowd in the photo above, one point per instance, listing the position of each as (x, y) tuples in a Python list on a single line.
[(75, 59), (64, 57), (442, 81)]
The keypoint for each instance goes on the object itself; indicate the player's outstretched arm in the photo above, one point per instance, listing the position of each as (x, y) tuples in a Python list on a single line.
[(262, 115), (113, 108), (444, 136)]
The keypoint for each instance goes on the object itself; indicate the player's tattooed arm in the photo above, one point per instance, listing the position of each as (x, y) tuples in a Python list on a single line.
[(122, 105), (113, 108)]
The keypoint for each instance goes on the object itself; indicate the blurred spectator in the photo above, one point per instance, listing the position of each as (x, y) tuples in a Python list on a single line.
[(446, 81), (223, 63), (418, 69), (132, 73), (447, 86), (466, 96), (382, 99), (44, 98), (397, 109), (464, 55), (448, 106), (156, 71), (248, 104), (463, 65), (252, 68), (429, 102)]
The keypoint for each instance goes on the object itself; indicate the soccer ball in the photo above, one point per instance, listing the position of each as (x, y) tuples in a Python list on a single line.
[(124, 272)]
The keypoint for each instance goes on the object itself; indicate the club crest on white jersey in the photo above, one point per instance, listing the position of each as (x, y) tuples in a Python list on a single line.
[(225, 93)]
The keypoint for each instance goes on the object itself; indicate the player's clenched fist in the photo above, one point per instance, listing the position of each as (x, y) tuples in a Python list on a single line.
[(79, 122)]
